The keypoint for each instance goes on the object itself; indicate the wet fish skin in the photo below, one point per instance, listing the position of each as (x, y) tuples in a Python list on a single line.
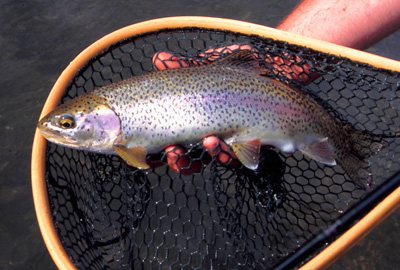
[(228, 99), (218, 105)]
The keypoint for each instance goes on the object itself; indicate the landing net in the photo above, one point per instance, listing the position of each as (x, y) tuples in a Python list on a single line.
[(112, 216)]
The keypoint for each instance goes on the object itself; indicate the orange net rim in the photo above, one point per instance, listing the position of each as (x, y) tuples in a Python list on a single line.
[(39, 189)]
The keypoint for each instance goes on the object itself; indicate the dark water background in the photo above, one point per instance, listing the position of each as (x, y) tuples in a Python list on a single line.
[(40, 37)]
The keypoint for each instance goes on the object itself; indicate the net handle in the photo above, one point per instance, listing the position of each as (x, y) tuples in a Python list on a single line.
[(39, 189), (352, 236), (368, 211)]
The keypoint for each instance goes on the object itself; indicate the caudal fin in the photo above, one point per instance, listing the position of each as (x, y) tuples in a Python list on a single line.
[(363, 145)]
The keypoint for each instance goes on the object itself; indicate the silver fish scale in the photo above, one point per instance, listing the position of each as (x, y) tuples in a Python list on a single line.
[(180, 106)]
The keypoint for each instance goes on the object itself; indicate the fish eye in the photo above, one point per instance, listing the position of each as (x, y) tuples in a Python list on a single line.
[(67, 121)]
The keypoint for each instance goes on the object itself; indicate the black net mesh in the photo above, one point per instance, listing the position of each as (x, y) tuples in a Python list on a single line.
[(112, 216)]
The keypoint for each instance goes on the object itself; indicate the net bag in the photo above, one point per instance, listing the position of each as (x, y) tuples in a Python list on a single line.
[(96, 212)]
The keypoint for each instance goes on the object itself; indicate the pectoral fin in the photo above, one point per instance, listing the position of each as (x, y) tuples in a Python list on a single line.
[(248, 152), (320, 151), (135, 156)]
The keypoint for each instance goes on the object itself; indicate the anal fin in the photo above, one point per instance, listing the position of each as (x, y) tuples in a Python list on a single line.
[(135, 156), (248, 152), (320, 151)]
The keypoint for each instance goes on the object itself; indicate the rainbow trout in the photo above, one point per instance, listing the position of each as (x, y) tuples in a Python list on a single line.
[(228, 98)]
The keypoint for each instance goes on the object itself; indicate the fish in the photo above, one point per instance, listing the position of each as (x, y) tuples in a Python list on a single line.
[(231, 98)]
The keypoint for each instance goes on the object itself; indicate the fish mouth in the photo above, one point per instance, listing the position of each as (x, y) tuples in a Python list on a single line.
[(55, 137)]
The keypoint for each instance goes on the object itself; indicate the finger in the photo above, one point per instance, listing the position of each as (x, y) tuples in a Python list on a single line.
[(180, 162), (215, 53), (176, 158), (229, 48), (218, 149), (165, 60), (292, 68)]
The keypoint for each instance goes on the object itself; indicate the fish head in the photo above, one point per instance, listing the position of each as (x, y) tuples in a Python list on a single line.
[(85, 123)]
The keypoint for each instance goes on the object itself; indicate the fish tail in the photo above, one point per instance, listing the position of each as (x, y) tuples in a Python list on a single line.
[(362, 146)]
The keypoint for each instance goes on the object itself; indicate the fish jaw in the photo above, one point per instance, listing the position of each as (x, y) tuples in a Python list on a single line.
[(85, 123), (55, 136)]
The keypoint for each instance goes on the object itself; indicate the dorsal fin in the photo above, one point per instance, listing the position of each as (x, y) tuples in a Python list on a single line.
[(240, 58)]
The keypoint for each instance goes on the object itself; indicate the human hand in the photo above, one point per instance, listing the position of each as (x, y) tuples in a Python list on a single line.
[(292, 68), (180, 162)]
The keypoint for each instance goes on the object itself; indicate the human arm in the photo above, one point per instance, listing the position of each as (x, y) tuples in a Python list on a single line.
[(357, 24)]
